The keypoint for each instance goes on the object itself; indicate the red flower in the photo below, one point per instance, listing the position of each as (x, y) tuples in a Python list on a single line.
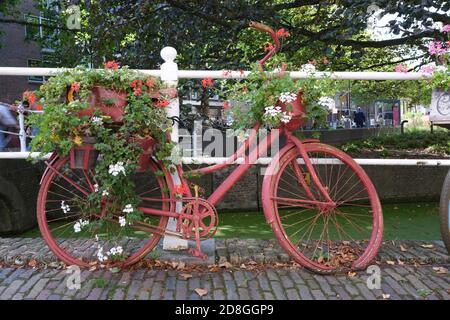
[(137, 91), (136, 84), (180, 190), (162, 103), (268, 47), (207, 82), (313, 62), (226, 105), (111, 65), (39, 107), (150, 83), (282, 33), (30, 97), (325, 60), (75, 86)]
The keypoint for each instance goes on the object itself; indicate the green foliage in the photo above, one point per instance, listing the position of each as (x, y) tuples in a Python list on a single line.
[(437, 142), (260, 90), (61, 128)]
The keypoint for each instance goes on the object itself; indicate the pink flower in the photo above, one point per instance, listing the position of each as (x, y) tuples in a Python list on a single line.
[(111, 65), (207, 82), (137, 92), (401, 68), (446, 28), (268, 47), (436, 48), (428, 69)]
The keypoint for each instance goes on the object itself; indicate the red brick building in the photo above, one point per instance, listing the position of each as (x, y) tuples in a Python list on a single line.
[(18, 48)]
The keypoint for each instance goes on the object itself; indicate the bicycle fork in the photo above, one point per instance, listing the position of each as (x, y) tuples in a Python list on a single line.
[(310, 169)]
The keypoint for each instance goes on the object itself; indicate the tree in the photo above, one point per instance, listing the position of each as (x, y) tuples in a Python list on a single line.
[(215, 34)]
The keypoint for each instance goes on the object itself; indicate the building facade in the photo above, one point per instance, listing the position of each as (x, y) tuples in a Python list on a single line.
[(18, 48)]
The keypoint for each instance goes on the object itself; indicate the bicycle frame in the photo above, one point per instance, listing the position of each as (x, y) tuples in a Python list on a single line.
[(249, 160)]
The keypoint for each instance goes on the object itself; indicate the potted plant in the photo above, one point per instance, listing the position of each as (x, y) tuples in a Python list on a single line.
[(277, 100), (115, 112)]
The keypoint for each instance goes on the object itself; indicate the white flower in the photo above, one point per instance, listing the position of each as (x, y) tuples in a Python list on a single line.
[(441, 68), (65, 207), (117, 168), (327, 102), (287, 97), (128, 208), (97, 120), (122, 221), (308, 68), (95, 187), (105, 193), (286, 117), (115, 251), (77, 227), (100, 256)]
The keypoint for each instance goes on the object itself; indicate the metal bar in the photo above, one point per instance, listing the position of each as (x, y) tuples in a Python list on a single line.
[(231, 74), (266, 160)]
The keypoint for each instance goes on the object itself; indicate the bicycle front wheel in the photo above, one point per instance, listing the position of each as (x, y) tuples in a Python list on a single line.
[(324, 238), (444, 212)]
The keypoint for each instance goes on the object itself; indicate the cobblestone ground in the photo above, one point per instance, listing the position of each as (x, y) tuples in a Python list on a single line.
[(409, 270)]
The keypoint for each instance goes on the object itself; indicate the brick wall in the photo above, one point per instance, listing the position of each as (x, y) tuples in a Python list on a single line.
[(15, 51)]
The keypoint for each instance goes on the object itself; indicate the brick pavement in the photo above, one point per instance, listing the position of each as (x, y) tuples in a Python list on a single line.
[(418, 274)]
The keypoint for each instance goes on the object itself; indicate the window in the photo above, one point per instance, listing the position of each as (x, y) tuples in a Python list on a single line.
[(36, 29)]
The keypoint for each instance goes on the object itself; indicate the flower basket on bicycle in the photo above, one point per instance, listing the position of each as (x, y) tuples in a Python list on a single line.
[(85, 156), (297, 111)]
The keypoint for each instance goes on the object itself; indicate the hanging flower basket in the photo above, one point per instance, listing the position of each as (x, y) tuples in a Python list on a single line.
[(85, 156), (297, 111)]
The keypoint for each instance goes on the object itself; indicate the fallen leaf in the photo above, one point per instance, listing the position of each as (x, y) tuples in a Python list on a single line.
[(351, 274), (400, 262), (243, 266), (181, 265), (174, 264), (390, 262), (186, 276), (386, 296), (226, 265), (93, 268), (440, 270), (201, 292), (32, 263), (402, 248), (427, 246)]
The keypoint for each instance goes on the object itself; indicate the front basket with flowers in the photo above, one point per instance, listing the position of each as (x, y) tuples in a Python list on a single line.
[(108, 122)]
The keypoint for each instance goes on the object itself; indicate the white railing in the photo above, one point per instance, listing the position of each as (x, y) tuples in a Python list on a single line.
[(170, 74)]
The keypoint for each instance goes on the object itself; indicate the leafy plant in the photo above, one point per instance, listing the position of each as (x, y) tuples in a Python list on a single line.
[(61, 128), (254, 98)]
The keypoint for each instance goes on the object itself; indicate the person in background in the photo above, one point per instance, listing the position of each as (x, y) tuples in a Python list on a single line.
[(360, 118), (7, 121)]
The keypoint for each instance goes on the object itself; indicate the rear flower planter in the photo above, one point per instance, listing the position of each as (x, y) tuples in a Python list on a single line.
[(110, 102)]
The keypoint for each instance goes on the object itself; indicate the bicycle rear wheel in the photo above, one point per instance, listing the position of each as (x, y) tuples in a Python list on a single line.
[(321, 237), (444, 212)]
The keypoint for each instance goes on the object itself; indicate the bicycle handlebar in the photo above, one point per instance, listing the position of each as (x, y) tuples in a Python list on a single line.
[(262, 27)]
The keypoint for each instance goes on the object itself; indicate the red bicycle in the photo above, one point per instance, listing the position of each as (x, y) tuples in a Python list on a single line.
[(321, 205)]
